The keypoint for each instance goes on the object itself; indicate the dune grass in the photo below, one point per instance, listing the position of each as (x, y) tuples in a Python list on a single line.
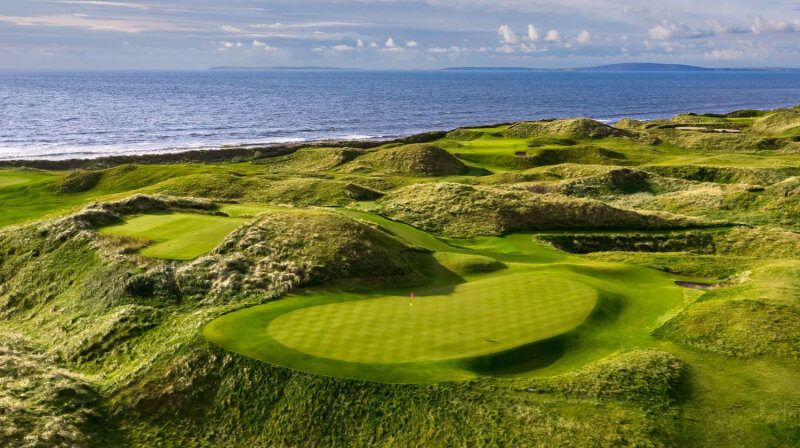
[(176, 236)]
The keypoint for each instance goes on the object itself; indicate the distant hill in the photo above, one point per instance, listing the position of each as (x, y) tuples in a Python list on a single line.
[(635, 67), (647, 67), (502, 69), (232, 67)]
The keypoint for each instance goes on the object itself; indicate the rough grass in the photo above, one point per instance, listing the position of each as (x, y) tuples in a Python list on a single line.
[(759, 317), (42, 405), (652, 377), (579, 128), (295, 191), (463, 211), (419, 160)]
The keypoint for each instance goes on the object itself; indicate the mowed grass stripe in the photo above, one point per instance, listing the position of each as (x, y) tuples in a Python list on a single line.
[(176, 236), (476, 318)]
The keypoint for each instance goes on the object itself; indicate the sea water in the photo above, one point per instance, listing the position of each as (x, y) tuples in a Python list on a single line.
[(75, 114)]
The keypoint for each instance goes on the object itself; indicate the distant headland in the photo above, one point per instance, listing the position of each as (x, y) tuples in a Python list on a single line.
[(623, 67)]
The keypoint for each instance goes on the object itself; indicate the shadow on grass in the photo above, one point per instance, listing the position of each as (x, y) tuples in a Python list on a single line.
[(517, 360)]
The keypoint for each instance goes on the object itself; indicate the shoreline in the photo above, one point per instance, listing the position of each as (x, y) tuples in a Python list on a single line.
[(211, 155)]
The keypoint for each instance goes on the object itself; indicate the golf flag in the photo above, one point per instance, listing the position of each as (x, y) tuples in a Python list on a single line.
[(411, 302)]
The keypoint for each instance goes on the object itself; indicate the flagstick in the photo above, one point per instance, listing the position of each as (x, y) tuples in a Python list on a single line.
[(410, 305)]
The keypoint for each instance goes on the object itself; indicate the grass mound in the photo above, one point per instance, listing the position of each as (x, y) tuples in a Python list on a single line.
[(739, 328), (650, 376), (463, 211), (587, 154), (785, 122), (721, 142), (331, 244), (467, 264), (786, 188), (759, 317), (578, 128), (310, 160), (78, 181), (410, 160), (297, 191), (724, 174), (281, 250), (617, 181)]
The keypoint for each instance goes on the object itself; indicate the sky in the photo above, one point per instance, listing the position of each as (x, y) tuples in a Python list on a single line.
[(395, 34)]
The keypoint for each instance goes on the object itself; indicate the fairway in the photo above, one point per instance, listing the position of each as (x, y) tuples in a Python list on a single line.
[(176, 236), (17, 178), (477, 318)]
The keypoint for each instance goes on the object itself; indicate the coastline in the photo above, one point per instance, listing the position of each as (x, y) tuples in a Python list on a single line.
[(213, 155)]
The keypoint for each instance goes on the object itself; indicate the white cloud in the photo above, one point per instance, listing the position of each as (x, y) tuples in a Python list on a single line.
[(102, 3), (584, 37), (230, 29), (505, 49), (533, 33), (728, 54), (373, 44), (360, 43), (762, 25), (451, 50), (670, 29), (507, 35), (288, 26), (552, 36), (264, 45), (411, 43), (436, 50), (391, 45), (716, 27), (83, 21), (343, 48)]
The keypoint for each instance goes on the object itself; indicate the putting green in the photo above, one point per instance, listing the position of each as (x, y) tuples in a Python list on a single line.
[(176, 236), (9, 179), (476, 318)]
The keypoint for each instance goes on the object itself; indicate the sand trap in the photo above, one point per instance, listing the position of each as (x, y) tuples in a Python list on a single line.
[(693, 285)]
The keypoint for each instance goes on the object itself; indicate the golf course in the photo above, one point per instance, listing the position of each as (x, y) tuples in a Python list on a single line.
[(494, 316), (547, 283)]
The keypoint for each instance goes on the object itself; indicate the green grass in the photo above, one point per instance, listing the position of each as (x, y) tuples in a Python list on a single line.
[(111, 348), (476, 318), (535, 328), (17, 178), (176, 236)]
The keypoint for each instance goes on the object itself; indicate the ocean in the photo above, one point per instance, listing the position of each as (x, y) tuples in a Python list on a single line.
[(75, 114)]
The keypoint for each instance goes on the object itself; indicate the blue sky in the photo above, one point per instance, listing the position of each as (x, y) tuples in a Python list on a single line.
[(196, 34)]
